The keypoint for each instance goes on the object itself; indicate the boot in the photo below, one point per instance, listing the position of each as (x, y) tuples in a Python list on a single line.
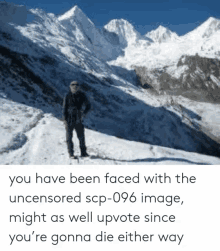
[(84, 154), (72, 156)]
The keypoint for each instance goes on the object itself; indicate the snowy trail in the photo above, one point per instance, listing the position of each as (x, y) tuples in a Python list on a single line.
[(46, 145)]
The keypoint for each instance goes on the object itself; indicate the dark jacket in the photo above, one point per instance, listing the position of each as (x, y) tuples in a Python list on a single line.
[(75, 106)]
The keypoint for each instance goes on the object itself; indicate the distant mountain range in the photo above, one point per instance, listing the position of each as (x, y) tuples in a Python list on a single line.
[(74, 37)]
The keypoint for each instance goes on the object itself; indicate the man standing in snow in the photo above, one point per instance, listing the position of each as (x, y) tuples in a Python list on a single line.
[(75, 107)]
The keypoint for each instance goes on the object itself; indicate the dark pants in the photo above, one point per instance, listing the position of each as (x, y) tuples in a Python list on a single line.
[(79, 127)]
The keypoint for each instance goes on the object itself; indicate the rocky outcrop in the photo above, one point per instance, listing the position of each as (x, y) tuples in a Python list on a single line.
[(199, 78)]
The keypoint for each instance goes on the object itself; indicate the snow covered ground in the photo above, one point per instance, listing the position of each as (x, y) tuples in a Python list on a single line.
[(33, 138)]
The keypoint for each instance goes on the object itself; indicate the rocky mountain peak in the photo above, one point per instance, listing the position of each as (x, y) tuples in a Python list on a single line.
[(126, 32), (118, 24), (162, 34), (73, 13), (162, 28)]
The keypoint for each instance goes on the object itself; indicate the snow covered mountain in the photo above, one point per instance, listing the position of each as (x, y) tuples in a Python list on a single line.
[(82, 28), (204, 41), (187, 65), (38, 61), (162, 34), (205, 30), (126, 32)]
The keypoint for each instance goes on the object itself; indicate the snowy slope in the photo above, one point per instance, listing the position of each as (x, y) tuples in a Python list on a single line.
[(44, 56), (44, 143)]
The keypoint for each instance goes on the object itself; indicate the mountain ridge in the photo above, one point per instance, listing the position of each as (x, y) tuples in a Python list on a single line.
[(205, 29)]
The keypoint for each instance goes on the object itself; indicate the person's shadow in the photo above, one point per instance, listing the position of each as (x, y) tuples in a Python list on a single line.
[(149, 160)]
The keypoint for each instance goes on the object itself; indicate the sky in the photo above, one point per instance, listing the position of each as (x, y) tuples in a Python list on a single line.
[(180, 16)]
